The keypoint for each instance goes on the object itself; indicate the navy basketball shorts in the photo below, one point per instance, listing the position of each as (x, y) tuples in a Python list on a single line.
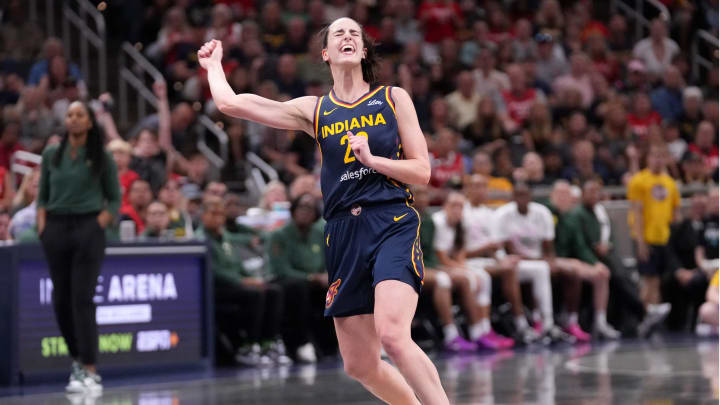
[(367, 245)]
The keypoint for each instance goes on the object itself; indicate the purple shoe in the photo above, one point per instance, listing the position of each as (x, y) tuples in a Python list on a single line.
[(459, 344), (492, 340)]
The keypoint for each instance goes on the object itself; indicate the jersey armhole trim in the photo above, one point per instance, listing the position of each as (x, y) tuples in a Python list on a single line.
[(388, 97), (316, 116)]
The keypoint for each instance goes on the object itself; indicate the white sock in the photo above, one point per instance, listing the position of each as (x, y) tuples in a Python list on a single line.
[(600, 319), (485, 326), (521, 322), (477, 330), (573, 318), (536, 315), (451, 332)]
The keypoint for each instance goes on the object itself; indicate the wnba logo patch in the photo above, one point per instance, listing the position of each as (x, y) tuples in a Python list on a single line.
[(331, 293)]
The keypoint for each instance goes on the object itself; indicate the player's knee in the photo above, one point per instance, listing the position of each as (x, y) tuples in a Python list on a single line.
[(360, 368), (393, 339), (442, 280)]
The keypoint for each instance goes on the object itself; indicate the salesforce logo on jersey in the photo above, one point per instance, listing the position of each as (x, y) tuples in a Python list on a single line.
[(357, 174)]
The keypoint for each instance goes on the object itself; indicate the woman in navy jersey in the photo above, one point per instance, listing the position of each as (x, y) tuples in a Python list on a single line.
[(372, 148)]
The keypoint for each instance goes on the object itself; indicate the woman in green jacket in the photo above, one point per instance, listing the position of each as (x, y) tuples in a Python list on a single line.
[(79, 196)]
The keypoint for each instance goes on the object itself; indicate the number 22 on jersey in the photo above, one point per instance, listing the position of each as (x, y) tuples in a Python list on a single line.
[(345, 139)]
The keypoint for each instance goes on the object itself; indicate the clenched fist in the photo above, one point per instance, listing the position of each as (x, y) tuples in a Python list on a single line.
[(210, 53)]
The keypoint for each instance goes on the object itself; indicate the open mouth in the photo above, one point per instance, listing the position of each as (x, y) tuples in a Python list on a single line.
[(347, 50)]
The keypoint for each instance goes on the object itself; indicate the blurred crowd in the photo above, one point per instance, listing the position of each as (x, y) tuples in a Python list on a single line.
[(510, 96)]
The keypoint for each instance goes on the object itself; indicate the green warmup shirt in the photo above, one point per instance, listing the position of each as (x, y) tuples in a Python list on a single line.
[(590, 233), (225, 252), (72, 187), (568, 242), (290, 255), (427, 236)]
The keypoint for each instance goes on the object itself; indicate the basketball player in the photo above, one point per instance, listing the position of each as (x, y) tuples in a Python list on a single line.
[(371, 146)]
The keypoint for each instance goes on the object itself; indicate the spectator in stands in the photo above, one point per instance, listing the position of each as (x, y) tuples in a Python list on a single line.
[(157, 222), (463, 102), (5, 235), (691, 116), (578, 78), (676, 145), (489, 81), (576, 262), (439, 281), (532, 171), (551, 62), (122, 153), (9, 141), (550, 17), (286, 77), (447, 165), (450, 248), (685, 284), (526, 229), (704, 144), (523, 46), (694, 171), (257, 306), (642, 115), (297, 39), (25, 217), (603, 61), (486, 130), (180, 220), (618, 39), (439, 19), (61, 88), (654, 206), (297, 263), (538, 130), (139, 197), (499, 188), (667, 99), (656, 51), (585, 166), (517, 100), (595, 239), (216, 189), (36, 120), (175, 29), (52, 47)]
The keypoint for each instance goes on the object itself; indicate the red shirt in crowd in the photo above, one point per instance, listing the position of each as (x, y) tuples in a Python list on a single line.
[(3, 171), (126, 179), (518, 106), (6, 152), (444, 169), (710, 155), (438, 19), (639, 125)]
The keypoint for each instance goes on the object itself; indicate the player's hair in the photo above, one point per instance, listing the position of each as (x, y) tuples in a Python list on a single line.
[(93, 145), (371, 60)]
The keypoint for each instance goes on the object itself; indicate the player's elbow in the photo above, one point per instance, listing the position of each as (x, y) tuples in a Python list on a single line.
[(424, 175)]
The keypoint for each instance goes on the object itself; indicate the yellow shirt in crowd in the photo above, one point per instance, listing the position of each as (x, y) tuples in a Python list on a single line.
[(659, 197)]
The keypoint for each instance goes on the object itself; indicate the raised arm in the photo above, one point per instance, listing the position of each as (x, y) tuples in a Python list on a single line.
[(415, 168), (296, 114)]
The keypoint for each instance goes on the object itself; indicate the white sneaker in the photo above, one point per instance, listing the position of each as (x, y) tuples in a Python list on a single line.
[(277, 353), (77, 376), (607, 332), (92, 382), (306, 353), (654, 316)]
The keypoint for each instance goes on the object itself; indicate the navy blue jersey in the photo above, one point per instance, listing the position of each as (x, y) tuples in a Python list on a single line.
[(344, 180)]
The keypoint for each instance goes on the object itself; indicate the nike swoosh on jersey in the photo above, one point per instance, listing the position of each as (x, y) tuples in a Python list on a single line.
[(399, 218), (329, 112)]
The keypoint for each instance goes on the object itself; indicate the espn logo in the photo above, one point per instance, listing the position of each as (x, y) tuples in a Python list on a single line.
[(156, 340)]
